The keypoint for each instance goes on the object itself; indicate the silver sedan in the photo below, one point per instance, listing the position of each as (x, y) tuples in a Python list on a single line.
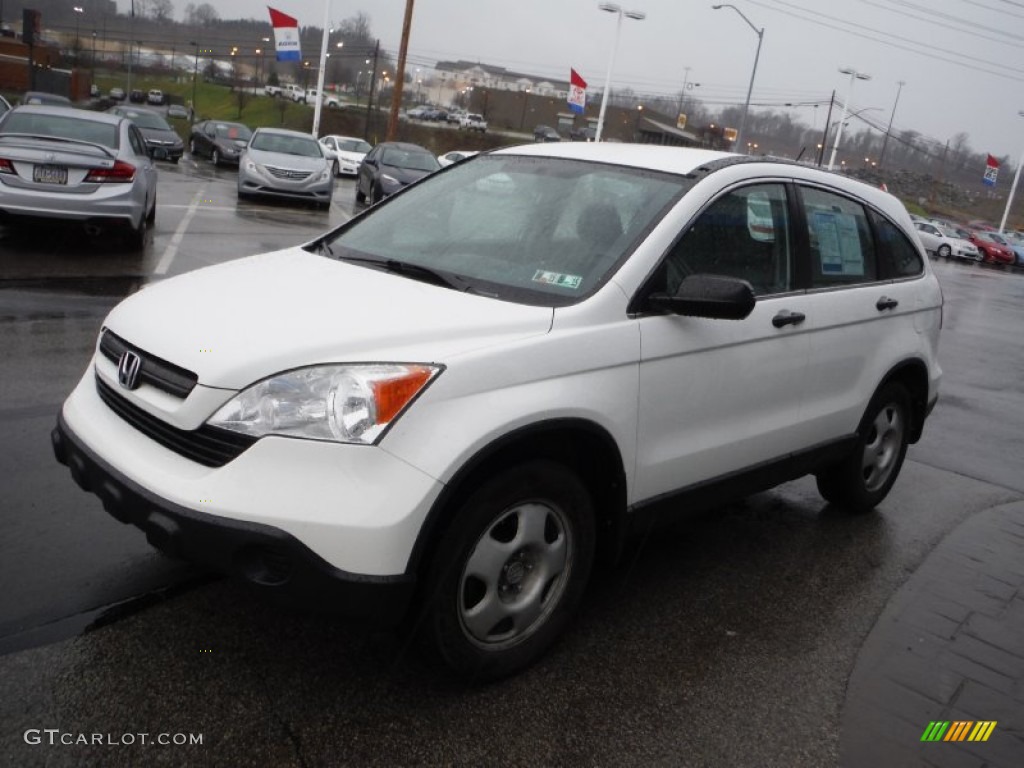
[(288, 164), (74, 165)]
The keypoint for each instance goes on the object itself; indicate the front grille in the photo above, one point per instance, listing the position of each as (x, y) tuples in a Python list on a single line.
[(172, 379), (209, 446), (288, 173)]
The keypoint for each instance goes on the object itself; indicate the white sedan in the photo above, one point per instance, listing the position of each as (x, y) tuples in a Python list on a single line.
[(345, 153), (945, 242), (455, 156)]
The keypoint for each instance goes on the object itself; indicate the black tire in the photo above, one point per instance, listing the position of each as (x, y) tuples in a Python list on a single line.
[(944, 251), (215, 157), (376, 194), (360, 195), (135, 237), (510, 570), (192, 147), (860, 482), (336, 169), (151, 216)]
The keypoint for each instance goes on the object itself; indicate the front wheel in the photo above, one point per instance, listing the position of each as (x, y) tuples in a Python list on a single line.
[(944, 251), (336, 169), (360, 195), (864, 478), (510, 571), (215, 157)]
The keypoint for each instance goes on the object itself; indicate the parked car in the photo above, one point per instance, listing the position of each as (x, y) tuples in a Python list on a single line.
[(443, 411), (219, 140), (94, 91), (311, 96), (945, 242), (333, 101), (75, 165), (116, 94), (177, 112), (1016, 242), (545, 133), (346, 153), (273, 90), (455, 156), (473, 122), (136, 96), (160, 137), (588, 133), (293, 92), (389, 167), (992, 250), (455, 116), (155, 96), (417, 113), (285, 164), (42, 97)]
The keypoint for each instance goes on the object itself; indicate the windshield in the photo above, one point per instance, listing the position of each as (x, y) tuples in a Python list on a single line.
[(145, 119), (286, 145), (354, 145), (233, 131), (535, 230), (61, 127), (412, 160)]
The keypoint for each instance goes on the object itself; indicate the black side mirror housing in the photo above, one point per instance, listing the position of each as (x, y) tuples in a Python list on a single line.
[(711, 296)]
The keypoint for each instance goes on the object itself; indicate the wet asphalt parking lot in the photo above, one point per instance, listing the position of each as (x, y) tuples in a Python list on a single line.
[(724, 640)]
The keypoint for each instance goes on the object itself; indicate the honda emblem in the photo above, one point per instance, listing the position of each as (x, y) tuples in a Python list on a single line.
[(128, 369)]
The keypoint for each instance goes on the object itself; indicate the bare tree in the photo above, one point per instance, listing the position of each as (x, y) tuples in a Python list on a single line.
[(161, 10), (202, 14)]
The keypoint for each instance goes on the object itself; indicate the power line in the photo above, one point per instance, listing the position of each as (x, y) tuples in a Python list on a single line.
[(929, 19)]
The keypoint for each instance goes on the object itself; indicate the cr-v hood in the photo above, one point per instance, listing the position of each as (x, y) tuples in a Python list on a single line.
[(239, 322)]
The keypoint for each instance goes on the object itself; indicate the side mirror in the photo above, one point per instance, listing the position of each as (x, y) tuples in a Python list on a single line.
[(712, 296)]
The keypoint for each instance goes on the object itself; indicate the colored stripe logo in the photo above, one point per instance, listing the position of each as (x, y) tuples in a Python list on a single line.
[(958, 730)]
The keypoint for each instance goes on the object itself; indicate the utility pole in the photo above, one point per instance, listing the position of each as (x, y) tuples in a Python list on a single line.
[(396, 92), (369, 98), (828, 124), (888, 130)]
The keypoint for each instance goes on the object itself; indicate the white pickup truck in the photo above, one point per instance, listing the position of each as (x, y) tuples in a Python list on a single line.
[(473, 122)]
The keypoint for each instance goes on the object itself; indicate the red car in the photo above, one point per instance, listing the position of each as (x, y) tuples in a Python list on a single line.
[(992, 252)]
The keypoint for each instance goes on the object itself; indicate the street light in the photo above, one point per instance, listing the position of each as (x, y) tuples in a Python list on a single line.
[(637, 16), (195, 77), (854, 75), (750, 88), (79, 10), (1013, 188)]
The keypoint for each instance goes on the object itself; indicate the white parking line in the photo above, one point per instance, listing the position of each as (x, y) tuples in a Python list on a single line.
[(179, 234)]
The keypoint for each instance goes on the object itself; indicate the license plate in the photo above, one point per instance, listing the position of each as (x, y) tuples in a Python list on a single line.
[(50, 174)]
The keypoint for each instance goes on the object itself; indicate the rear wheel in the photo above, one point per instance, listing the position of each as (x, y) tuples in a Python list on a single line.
[(864, 478), (151, 216), (510, 571), (376, 193), (135, 238)]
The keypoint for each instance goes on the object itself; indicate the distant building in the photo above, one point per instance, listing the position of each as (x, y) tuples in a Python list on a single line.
[(454, 77)]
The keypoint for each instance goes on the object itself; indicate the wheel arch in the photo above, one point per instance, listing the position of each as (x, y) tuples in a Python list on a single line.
[(583, 446), (913, 375)]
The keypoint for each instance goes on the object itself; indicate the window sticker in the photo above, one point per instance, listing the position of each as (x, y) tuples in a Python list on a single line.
[(838, 243), (572, 282)]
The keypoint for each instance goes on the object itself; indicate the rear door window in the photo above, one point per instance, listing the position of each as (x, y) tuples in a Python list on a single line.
[(841, 244)]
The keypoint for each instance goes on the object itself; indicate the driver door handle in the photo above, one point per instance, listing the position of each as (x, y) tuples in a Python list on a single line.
[(885, 303), (785, 317)]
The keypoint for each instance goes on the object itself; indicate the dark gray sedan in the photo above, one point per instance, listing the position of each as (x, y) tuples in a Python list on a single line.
[(160, 137)]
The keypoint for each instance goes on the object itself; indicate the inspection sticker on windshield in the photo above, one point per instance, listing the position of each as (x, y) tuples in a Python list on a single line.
[(572, 282)]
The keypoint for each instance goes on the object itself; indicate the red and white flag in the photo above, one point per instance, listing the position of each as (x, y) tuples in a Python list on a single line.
[(577, 92), (286, 35), (991, 171)]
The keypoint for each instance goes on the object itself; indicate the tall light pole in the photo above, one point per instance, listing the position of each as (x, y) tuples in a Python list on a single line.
[(195, 78), (750, 89), (854, 75), (79, 10), (636, 15), (1013, 188), (888, 130)]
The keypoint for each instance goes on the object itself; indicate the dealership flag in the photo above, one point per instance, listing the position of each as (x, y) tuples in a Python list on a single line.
[(286, 36), (991, 171), (577, 92)]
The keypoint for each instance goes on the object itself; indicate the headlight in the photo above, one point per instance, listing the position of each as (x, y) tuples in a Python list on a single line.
[(325, 174), (342, 403), (388, 179), (251, 166)]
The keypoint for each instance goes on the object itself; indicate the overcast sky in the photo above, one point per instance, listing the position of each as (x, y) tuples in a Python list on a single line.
[(962, 61)]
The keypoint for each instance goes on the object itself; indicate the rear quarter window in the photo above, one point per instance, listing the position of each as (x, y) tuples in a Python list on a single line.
[(897, 255)]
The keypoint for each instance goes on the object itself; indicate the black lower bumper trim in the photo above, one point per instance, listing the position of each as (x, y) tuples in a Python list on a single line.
[(273, 561)]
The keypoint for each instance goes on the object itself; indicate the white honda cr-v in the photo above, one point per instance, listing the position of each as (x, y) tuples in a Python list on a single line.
[(448, 407)]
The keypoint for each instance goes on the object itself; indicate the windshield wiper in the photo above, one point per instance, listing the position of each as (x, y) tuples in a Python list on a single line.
[(412, 271)]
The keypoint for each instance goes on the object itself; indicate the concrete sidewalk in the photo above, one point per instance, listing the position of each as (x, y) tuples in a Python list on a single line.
[(949, 646)]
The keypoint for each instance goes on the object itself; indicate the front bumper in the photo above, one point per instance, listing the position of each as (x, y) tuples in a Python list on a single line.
[(275, 562)]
